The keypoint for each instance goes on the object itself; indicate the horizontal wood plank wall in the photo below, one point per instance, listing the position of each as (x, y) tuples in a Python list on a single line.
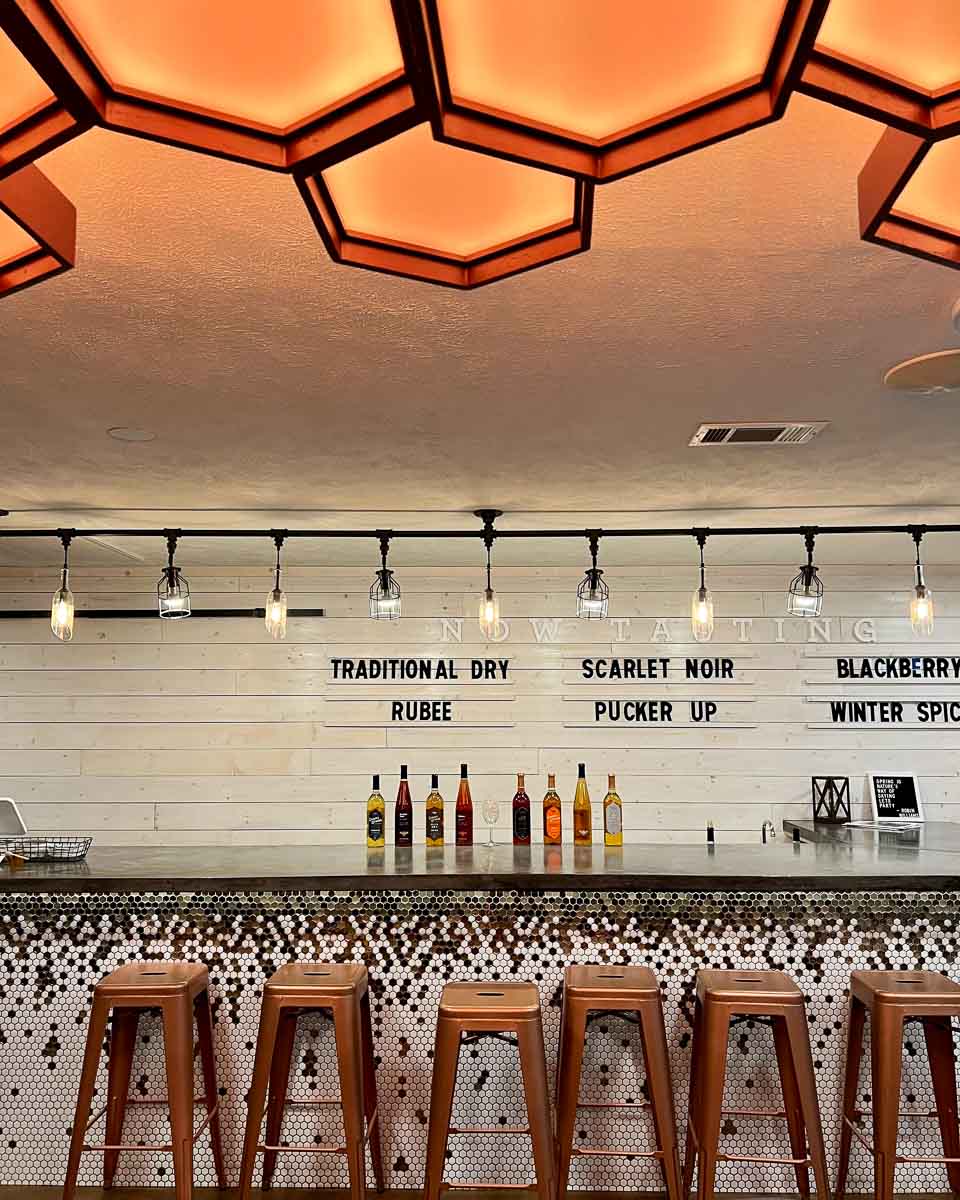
[(205, 731)]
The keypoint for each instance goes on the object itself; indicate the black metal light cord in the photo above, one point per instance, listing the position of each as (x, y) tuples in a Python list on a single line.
[(916, 532), (701, 536), (66, 538), (278, 540)]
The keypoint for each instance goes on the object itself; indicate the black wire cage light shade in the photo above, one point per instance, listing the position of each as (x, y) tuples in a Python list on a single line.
[(805, 597), (173, 590), (593, 595), (384, 591)]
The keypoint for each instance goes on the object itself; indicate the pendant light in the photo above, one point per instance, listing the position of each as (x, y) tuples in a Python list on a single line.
[(385, 591), (805, 598), (61, 610), (701, 610), (921, 602), (173, 590), (275, 616), (489, 614), (593, 595)]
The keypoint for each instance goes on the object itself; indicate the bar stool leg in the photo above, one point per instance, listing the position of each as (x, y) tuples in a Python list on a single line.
[(178, 1055), (693, 1103), (123, 1036), (446, 1056), (569, 1065), (204, 1019), (257, 1096), (533, 1064), (886, 1039), (656, 1058), (855, 1021), (939, 1038), (371, 1108), (346, 1022), (791, 1103), (799, 1036), (88, 1078), (279, 1085), (716, 1028)]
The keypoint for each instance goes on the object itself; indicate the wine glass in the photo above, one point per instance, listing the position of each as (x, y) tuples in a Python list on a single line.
[(490, 807)]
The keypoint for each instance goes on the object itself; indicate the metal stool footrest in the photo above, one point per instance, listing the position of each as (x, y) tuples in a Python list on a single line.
[(511, 1130), (314, 1149), (900, 1158), (102, 1148)]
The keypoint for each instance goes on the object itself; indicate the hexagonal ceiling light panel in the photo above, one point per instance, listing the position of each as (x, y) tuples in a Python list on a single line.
[(272, 84), (893, 60), (32, 119), (909, 196), (603, 89), (38, 230), (414, 206)]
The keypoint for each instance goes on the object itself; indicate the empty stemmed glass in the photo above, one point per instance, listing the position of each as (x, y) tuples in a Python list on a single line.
[(490, 808)]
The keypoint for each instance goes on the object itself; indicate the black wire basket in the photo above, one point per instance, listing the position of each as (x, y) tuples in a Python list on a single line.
[(48, 847)]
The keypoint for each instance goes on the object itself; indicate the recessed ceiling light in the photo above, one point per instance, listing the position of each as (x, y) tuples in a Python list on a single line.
[(129, 433), (926, 374)]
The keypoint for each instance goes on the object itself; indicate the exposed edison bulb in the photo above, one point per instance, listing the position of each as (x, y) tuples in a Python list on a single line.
[(921, 610), (275, 616), (61, 612), (701, 615), (489, 612)]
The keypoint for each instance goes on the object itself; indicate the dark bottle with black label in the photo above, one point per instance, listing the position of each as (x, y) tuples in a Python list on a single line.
[(403, 813), (521, 815), (464, 810)]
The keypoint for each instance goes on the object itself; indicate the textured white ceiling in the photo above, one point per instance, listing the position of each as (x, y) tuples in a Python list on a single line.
[(728, 284)]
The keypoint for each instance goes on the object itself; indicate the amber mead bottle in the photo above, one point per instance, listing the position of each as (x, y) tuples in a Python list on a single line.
[(521, 815), (612, 815), (464, 810), (552, 817), (582, 814), (403, 813), (376, 817), (434, 813)]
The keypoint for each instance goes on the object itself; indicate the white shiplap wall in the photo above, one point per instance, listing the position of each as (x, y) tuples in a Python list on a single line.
[(207, 732)]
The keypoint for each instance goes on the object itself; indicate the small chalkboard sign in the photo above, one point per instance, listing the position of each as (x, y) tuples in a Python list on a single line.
[(895, 797)]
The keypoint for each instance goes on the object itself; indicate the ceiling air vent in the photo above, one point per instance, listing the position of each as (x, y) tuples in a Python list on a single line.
[(757, 433)]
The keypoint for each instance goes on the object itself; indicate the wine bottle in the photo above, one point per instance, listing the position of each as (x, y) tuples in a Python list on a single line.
[(521, 815), (582, 814), (464, 810), (403, 813), (552, 817), (612, 815), (434, 813), (376, 817)]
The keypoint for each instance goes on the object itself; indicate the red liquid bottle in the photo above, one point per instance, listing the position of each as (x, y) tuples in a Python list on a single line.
[(521, 815), (403, 813), (464, 810)]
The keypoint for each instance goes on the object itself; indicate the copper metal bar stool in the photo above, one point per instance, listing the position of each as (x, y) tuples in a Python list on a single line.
[(724, 997), (469, 1011), (891, 998), (631, 993), (179, 991), (340, 990)]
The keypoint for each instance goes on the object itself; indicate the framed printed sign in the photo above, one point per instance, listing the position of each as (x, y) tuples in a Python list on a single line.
[(895, 798)]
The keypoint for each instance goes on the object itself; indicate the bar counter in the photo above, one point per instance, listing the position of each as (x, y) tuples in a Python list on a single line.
[(816, 909)]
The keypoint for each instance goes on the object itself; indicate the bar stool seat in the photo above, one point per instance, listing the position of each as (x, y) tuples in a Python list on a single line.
[(616, 991), (180, 991), (341, 990), (726, 997), (469, 1011), (890, 998)]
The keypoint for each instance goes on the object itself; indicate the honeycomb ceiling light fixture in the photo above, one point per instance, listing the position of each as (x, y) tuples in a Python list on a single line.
[(416, 207), (272, 84), (894, 61), (600, 90), (38, 230), (908, 196), (32, 119)]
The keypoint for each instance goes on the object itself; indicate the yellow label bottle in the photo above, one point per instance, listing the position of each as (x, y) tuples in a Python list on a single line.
[(376, 817), (582, 814), (552, 816), (612, 815), (434, 813)]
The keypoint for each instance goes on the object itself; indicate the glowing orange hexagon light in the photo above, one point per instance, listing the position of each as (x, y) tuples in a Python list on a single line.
[(37, 230), (414, 206), (32, 119), (909, 196), (270, 83), (603, 89), (898, 62)]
